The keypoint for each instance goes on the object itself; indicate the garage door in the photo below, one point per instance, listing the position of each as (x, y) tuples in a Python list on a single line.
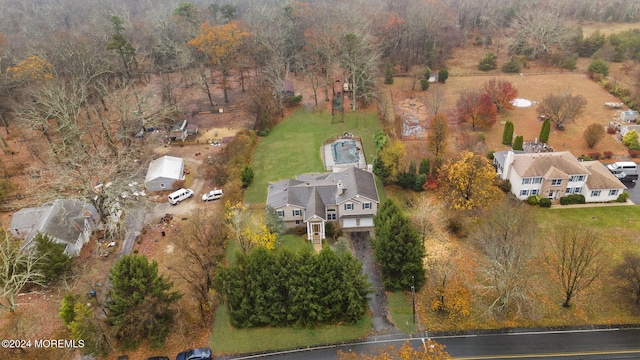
[(348, 223), (366, 222)]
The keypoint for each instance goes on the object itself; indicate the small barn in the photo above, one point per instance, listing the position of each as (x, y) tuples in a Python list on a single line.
[(179, 131), (629, 116), (163, 173)]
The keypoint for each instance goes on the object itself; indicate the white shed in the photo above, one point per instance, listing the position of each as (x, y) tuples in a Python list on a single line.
[(629, 116), (163, 173)]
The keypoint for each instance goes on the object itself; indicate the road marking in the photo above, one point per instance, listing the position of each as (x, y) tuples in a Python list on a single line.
[(534, 356)]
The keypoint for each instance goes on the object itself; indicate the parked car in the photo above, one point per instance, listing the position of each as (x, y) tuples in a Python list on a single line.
[(157, 358), (212, 195), (179, 195), (195, 354)]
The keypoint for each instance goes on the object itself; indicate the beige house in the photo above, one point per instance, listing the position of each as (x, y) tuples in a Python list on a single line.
[(348, 197), (556, 174)]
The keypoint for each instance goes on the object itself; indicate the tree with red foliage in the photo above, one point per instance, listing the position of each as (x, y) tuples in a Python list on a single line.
[(477, 108), (501, 93)]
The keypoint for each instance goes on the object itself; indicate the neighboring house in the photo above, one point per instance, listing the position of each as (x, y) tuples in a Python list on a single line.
[(556, 174), (67, 221), (179, 131), (163, 173), (348, 197)]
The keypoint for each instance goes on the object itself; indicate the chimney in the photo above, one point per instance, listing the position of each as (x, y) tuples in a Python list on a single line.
[(340, 188), (508, 161)]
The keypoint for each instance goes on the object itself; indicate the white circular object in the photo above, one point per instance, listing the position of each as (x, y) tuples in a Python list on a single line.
[(521, 103)]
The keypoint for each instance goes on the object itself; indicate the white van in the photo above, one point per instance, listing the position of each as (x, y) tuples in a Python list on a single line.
[(179, 195), (214, 194), (620, 166)]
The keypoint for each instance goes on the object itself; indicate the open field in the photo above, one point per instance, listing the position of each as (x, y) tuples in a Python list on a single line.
[(293, 147)]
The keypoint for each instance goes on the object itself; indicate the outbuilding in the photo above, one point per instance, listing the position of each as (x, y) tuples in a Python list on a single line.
[(163, 173), (629, 116)]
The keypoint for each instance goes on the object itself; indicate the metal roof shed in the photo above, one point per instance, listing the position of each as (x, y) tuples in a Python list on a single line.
[(163, 173)]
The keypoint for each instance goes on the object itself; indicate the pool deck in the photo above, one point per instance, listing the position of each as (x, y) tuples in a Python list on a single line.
[(329, 163)]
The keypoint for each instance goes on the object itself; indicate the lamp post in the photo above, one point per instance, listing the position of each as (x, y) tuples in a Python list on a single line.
[(413, 298)]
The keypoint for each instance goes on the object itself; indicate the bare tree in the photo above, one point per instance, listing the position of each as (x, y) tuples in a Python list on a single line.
[(435, 99), (202, 240), (438, 133), (575, 258), (561, 108), (427, 214), (538, 30), (17, 269), (593, 134), (506, 237), (629, 272)]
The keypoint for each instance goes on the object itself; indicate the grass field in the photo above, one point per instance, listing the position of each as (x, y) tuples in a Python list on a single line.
[(293, 147), (226, 339)]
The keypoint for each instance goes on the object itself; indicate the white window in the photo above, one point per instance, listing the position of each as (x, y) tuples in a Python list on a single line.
[(297, 222), (348, 206), (297, 212), (524, 192), (280, 213), (162, 186), (613, 192), (366, 205), (556, 182), (535, 191), (526, 181), (577, 190), (331, 214), (569, 190), (595, 193), (577, 178), (537, 180)]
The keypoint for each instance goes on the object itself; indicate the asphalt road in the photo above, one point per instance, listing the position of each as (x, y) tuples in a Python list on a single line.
[(634, 191), (577, 344)]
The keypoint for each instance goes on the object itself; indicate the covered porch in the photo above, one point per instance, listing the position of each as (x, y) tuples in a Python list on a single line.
[(315, 230)]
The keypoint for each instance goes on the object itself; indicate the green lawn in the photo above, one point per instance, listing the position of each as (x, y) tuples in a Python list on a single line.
[(225, 339), (293, 146), (295, 243), (401, 310)]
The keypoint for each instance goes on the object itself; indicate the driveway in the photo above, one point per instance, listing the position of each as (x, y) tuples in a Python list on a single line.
[(378, 303)]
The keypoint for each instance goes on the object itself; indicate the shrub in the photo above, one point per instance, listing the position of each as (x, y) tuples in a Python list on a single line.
[(634, 153), (511, 66), (388, 74), (488, 62), (264, 132), (545, 203), (425, 166), (545, 130), (584, 157), (608, 154), (247, 176), (595, 155), (623, 197), (533, 200), (505, 185), (593, 134), (419, 184), (455, 226), (300, 230), (611, 130), (490, 155), (518, 143), (443, 75), (598, 66), (507, 133), (424, 83), (572, 199), (293, 100)]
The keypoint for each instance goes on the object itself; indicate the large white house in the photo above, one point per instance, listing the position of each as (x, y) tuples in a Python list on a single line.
[(348, 197), (556, 174)]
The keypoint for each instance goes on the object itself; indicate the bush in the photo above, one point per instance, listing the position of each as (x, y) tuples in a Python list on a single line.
[(505, 185), (545, 203), (264, 132), (598, 66), (420, 180), (584, 157), (388, 74), (455, 226), (490, 155), (572, 199), (488, 62), (300, 230), (608, 154), (595, 155), (443, 75), (611, 130), (511, 66), (518, 143), (634, 153), (293, 100), (247, 176), (623, 197), (533, 200)]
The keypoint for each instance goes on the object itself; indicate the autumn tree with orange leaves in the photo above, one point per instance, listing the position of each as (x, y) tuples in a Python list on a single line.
[(430, 350), (221, 44), (30, 69), (501, 93), (477, 108)]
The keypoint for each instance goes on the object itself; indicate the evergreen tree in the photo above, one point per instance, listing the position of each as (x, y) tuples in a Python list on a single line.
[(246, 176), (443, 75), (545, 131), (426, 74), (507, 134), (55, 262), (140, 304), (511, 66), (425, 166), (488, 62), (518, 143), (398, 249)]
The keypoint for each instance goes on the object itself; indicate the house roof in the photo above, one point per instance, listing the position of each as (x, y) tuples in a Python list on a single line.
[(542, 164), (62, 219), (165, 167), (601, 177), (315, 191)]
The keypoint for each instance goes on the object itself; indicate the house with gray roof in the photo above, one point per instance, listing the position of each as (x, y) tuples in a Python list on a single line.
[(67, 221), (163, 173), (556, 174), (348, 197)]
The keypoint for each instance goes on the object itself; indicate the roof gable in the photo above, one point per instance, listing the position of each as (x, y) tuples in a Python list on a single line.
[(165, 167), (539, 164)]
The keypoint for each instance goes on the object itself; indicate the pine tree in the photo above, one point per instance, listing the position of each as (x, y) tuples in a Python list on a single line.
[(507, 134), (141, 301), (388, 74), (545, 131), (425, 166), (518, 143), (55, 261)]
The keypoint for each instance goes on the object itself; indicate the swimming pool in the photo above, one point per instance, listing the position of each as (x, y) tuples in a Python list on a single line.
[(345, 152)]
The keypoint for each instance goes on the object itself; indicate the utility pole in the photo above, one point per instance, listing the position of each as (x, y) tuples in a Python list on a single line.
[(413, 298)]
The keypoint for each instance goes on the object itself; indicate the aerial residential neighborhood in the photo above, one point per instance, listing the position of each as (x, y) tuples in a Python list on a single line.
[(319, 179)]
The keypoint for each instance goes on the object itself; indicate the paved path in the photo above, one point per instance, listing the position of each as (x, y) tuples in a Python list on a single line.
[(558, 206), (378, 299)]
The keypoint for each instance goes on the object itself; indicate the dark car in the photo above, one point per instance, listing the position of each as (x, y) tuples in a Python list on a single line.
[(157, 358), (195, 354)]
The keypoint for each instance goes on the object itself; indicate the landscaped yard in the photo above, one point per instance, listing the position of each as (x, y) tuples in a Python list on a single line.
[(293, 147)]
